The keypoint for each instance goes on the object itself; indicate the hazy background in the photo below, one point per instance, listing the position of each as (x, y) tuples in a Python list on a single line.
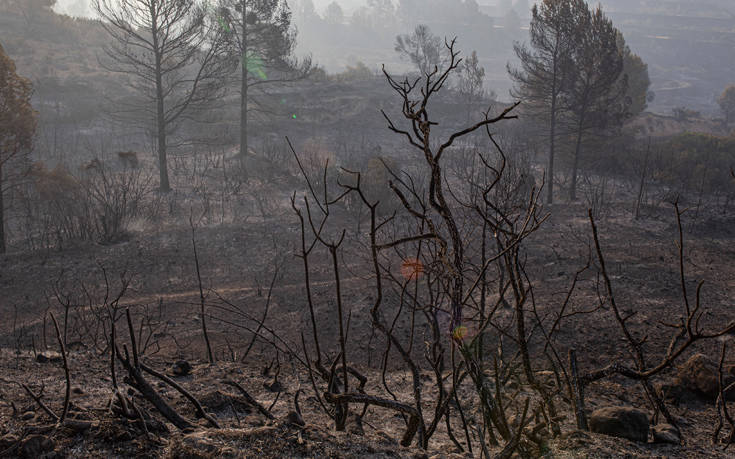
[(689, 46), (80, 7)]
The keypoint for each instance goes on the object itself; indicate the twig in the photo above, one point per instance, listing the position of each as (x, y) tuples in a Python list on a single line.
[(67, 395), (210, 356), (265, 313), (139, 382), (578, 392), (182, 391), (515, 440), (722, 404), (250, 399), (142, 419), (40, 403)]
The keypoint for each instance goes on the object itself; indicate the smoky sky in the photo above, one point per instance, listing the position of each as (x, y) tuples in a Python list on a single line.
[(82, 8)]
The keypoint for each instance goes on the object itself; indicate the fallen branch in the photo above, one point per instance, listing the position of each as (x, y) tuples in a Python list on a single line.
[(40, 403), (76, 425), (413, 415), (139, 382), (515, 440), (210, 355), (250, 399), (182, 391)]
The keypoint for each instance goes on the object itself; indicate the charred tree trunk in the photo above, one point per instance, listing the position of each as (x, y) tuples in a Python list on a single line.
[(244, 88), (552, 137), (160, 109), (2, 213), (577, 150)]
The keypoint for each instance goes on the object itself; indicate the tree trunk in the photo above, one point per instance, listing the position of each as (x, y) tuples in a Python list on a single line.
[(2, 213), (483, 290), (577, 392), (642, 183), (552, 131), (244, 89), (575, 167), (161, 127), (160, 109), (244, 110), (552, 135)]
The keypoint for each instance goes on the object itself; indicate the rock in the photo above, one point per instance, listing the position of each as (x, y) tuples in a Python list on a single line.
[(181, 368), (77, 390), (295, 418), (514, 420), (224, 404), (76, 346), (624, 422), (665, 433), (546, 377), (512, 385), (672, 392), (275, 387), (35, 446), (45, 357), (7, 441), (699, 376)]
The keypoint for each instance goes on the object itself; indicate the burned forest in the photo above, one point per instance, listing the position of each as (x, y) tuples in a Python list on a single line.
[(367, 228)]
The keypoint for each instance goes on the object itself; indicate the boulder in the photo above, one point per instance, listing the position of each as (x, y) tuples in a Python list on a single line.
[(665, 433), (295, 418), (546, 377), (699, 376), (36, 445), (623, 422), (45, 357), (224, 404), (7, 441), (181, 368), (672, 392), (275, 387)]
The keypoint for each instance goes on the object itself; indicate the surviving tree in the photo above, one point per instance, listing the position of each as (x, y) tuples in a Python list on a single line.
[(422, 48), (575, 72), (545, 68), (177, 56), (333, 14), (595, 98), (17, 124), (263, 40), (470, 82), (727, 103), (636, 72)]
